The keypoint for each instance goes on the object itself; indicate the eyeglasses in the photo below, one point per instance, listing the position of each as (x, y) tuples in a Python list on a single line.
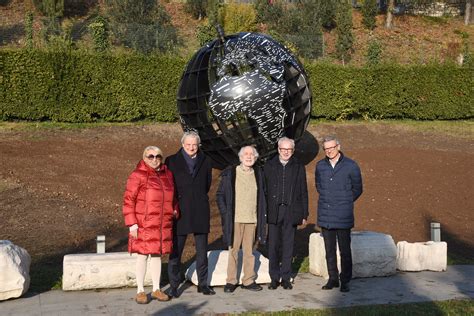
[(152, 157), (330, 148), (290, 150)]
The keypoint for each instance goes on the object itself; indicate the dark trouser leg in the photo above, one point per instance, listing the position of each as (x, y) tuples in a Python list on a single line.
[(329, 236), (201, 258), (288, 238), (174, 262), (344, 242), (273, 247)]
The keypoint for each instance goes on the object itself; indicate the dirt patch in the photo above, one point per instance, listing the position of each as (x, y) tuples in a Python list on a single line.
[(59, 188)]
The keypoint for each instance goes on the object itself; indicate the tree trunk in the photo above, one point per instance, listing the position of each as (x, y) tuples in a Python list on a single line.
[(388, 21), (468, 12)]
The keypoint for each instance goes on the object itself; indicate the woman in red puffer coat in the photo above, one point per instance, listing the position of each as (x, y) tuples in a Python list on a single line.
[(149, 205)]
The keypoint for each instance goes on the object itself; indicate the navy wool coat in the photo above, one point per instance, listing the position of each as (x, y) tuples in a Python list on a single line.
[(338, 189), (192, 193), (225, 197)]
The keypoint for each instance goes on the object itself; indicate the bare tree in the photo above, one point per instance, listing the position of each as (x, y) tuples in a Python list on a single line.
[(468, 12), (388, 21)]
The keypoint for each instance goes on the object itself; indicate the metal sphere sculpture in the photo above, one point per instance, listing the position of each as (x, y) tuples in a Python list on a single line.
[(243, 89)]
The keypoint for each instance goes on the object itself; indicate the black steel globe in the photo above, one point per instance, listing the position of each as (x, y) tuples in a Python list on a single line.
[(243, 89)]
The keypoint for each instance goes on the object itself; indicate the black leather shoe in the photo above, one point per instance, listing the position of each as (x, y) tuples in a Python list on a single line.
[(330, 285), (345, 287), (230, 288), (252, 287), (273, 285), (286, 284), (173, 292), (206, 290)]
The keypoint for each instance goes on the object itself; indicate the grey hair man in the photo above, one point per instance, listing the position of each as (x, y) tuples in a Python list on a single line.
[(241, 201), (339, 184), (192, 173), (287, 201)]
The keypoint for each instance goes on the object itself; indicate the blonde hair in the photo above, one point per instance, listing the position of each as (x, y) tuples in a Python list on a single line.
[(154, 148)]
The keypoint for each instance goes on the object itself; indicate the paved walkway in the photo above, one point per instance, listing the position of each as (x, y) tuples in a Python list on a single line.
[(456, 283)]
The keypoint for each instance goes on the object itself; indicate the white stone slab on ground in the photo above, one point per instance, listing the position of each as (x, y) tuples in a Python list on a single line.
[(14, 270), (217, 268), (100, 271), (373, 254), (421, 256)]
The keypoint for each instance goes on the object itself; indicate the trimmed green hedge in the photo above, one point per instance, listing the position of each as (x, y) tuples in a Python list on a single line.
[(79, 87), (443, 92), (83, 87)]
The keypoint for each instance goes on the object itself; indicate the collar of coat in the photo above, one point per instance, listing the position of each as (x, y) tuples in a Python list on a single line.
[(199, 159), (339, 161)]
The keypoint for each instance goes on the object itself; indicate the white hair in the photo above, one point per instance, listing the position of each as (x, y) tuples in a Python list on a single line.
[(192, 134), (255, 152), (288, 140)]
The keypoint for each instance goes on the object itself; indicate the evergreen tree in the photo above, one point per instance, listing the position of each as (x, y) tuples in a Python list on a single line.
[(369, 12), (143, 25), (345, 39)]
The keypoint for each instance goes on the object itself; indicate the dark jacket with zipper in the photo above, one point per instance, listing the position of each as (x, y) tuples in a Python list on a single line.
[(338, 189), (225, 197), (296, 188)]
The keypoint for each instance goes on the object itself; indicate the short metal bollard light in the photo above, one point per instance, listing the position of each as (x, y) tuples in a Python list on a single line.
[(100, 244), (436, 232)]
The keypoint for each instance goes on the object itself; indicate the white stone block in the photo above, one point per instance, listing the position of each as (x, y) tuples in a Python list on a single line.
[(421, 256), (373, 254), (217, 268), (101, 270), (14, 270)]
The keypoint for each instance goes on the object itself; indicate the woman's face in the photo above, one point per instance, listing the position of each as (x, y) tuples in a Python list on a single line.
[(152, 158)]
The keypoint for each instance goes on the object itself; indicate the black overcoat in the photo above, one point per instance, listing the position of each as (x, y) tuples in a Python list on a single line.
[(298, 201), (192, 193)]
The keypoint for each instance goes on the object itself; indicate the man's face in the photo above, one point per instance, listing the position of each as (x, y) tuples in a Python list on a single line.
[(190, 146), (331, 149), (285, 150), (247, 158)]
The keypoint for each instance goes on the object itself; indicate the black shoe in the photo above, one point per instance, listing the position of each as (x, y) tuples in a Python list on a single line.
[(206, 290), (286, 284), (230, 288), (330, 285), (173, 292), (345, 287), (273, 285), (252, 287)]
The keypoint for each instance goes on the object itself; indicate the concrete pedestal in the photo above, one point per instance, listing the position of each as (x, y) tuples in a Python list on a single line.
[(373, 254)]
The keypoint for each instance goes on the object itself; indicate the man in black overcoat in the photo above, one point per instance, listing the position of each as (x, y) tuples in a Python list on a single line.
[(192, 173), (287, 203)]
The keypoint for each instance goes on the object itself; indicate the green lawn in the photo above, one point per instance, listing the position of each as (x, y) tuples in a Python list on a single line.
[(452, 307)]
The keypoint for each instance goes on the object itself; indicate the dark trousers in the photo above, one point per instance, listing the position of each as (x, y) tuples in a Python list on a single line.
[(174, 262), (281, 237), (343, 239)]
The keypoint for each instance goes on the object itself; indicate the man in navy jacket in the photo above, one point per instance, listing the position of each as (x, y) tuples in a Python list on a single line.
[(339, 184)]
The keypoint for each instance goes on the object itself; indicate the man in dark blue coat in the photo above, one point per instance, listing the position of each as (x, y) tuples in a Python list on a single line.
[(287, 200), (339, 184), (192, 173)]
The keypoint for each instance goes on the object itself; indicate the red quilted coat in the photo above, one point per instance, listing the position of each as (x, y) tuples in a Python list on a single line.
[(149, 201)]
